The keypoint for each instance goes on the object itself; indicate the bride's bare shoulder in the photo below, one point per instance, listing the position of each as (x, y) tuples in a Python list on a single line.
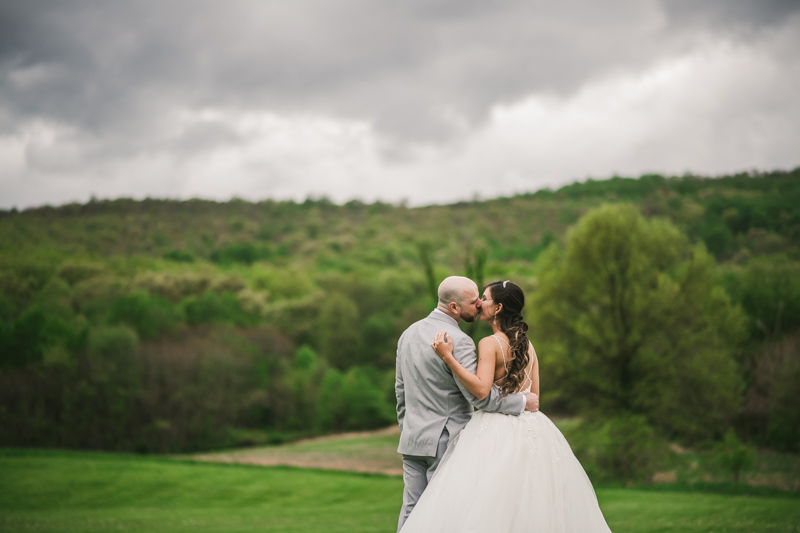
[(488, 345), (486, 341)]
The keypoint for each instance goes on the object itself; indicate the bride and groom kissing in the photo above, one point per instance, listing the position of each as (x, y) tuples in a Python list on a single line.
[(502, 468)]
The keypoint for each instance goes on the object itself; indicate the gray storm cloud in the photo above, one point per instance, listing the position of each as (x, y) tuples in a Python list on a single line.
[(373, 100)]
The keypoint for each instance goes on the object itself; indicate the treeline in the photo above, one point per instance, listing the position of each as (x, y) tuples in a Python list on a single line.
[(156, 325), (185, 361)]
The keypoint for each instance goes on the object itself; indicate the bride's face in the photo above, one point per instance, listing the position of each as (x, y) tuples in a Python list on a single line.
[(488, 307)]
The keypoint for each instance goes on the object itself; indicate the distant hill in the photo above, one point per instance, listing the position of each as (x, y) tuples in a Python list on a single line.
[(756, 213)]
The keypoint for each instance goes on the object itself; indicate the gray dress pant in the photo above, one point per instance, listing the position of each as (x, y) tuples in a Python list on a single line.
[(417, 472)]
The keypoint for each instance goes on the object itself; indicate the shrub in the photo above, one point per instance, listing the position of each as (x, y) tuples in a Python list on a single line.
[(733, 456), (623, 448)]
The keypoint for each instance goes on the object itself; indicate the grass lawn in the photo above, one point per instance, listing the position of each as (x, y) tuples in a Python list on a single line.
[(74, 491)]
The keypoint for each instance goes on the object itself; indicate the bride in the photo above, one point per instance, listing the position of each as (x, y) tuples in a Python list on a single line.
[(504, 472)]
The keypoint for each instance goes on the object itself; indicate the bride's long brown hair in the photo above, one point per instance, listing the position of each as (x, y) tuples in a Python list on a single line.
[(511, 323)]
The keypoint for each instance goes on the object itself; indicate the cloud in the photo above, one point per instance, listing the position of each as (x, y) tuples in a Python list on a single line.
[(430, 101)]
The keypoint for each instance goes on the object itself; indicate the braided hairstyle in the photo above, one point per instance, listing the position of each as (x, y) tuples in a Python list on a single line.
[(511, 323)]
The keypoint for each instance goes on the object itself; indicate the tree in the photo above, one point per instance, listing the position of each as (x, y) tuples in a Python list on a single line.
[(339, 330), (733, 456), (631, 320), (769, 291)]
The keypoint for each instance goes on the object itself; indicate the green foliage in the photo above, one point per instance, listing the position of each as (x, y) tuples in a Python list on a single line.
[(734, 456), (718, 238), (179, 256), (149, 315), (769, 291), (331, 406), (73, 272), (198, 281), (339, 332), (623, 448), (357, 399), (215, 307), (305, 359), (113, 342), (783, 431), (424, 249), (241, 252), (633, 321), (25, 340)]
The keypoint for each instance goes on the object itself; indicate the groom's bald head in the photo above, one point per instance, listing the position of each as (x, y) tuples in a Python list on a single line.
[(455, 289), (463, 293)]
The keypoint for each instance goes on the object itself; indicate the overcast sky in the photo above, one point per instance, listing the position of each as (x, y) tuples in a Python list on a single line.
[(424, 101)]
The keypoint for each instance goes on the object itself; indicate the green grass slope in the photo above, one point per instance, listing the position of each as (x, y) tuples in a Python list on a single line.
[(60, 491)]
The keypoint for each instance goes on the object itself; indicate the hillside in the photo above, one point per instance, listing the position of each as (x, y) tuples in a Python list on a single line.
[(182, 325)]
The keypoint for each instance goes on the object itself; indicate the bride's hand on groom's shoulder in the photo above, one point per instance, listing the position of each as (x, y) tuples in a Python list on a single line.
[(443, 345)]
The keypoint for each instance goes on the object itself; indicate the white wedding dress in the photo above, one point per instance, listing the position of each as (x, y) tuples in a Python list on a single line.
[(505, 473)]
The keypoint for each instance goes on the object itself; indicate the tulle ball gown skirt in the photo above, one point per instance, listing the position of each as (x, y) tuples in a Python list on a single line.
[(508, 474)]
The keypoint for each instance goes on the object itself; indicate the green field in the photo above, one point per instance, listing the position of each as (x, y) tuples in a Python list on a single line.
[(72, 491)]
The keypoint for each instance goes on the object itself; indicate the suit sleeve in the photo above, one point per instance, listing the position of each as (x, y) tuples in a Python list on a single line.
[(513, 404), (399, 389)]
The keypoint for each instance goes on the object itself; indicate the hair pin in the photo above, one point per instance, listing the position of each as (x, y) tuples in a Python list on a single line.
[(504, 283)]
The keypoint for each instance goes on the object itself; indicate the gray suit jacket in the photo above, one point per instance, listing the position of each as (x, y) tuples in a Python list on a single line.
[(429, 396)]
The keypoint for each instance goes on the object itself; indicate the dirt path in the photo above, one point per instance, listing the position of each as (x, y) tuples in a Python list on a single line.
[(364, 451)]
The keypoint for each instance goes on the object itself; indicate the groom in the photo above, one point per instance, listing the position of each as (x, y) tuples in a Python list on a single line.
[(432, 404)]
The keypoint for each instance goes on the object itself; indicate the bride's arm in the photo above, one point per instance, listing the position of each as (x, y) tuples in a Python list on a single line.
[(478, 384)]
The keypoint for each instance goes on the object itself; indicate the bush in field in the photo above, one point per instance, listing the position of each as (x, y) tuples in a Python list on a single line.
[(630, 320), (733, 456), (149, 315), (622, 448)]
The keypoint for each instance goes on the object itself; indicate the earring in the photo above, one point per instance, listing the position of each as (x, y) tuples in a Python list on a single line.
[(495, 319)]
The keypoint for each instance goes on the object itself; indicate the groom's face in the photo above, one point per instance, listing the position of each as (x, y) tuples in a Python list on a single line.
[(471, 305)]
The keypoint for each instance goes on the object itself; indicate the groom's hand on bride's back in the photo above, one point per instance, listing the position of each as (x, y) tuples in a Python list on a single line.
[(531, 402)]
